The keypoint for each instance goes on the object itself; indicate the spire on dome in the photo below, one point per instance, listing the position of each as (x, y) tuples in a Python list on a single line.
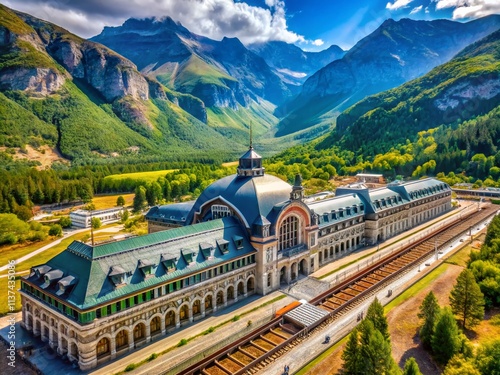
[(250, 164)]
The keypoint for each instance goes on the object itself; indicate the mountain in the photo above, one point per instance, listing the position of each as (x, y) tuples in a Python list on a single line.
[(88, 101), (222, 74), (396, 52), (293, 64), (461, 89)]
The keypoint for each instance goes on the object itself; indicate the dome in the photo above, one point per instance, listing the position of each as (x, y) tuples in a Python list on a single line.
[(251, 197)]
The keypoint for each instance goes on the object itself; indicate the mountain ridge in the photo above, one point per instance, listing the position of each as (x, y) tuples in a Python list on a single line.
[(394, 53)]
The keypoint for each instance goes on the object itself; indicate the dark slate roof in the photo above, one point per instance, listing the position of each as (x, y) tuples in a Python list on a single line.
[(92, 266), (251, 196), (251, 154), (394, 194), (324, 208), (175, 213)]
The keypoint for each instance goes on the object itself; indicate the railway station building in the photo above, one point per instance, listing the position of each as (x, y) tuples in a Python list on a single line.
[(247, 233)]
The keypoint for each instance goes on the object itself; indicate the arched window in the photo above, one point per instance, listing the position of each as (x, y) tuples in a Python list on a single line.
[(139, 331), (103, 346), (121, 339), (155, 324), (289, 233)]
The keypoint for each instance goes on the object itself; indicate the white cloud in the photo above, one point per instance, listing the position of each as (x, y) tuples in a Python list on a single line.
[(398, 4), (317, 42), (416, 9), (427, 11), (212, 18), (469, 8)]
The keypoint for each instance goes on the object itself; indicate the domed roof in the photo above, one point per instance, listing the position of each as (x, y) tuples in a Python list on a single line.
[(251, 196)]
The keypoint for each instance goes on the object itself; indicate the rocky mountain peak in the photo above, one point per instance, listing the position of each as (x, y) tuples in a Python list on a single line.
[(145, 26)]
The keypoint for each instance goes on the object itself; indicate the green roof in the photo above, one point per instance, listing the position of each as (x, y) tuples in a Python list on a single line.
[(92, 265)]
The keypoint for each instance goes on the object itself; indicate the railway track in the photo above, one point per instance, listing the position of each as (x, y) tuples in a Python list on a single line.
[(253, 352)]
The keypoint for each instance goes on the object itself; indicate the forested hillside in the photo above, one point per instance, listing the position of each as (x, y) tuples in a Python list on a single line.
[(90, 103), (467, 86)]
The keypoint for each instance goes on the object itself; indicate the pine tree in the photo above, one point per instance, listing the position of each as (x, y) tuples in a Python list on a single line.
[(351, 354), (411, 367), (445, 340), (467, 300), (429, 311), (375, 354), (375, 313)]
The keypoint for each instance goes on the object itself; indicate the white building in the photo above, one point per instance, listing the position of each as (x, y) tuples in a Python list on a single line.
[(81, 218)]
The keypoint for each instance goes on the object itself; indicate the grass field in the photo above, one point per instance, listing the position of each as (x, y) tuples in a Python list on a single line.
[(109, 201), (139, 176)]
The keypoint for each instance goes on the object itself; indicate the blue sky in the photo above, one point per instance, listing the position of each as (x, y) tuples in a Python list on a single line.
[(311, 24)]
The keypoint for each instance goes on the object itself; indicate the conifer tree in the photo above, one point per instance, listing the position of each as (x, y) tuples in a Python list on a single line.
[(375, 313), (445, 340), (375, 354), (467, 300), (351, 354), (429, 311), (411, 367)]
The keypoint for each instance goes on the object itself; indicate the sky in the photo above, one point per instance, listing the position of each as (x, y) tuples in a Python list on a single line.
[(312, 25)]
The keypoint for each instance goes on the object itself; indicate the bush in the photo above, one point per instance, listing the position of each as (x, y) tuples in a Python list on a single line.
[(152, 357), (38, 235), (9, 239), (182, 342), (65, 222), (235, 318), (56, 230), (130, 367), (35, 225)]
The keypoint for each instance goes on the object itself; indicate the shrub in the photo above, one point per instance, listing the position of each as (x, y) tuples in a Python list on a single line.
[(182, 342), (130, 367), (235, 318), (37, 236), (65, 222), (152, 357), (56, 230)]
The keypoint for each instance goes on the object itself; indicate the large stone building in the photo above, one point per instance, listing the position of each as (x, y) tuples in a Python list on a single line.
[(247, 233)]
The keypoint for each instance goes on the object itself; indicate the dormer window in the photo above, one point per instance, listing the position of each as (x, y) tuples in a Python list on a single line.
[(169, 262), (146, 268), (189, 256), (40, 271), (223, 245), (66, 284), (117, 276), (50, 277), (207, 250), (238, 242)]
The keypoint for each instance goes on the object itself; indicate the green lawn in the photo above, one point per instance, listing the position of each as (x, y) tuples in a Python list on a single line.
[(139, 176)]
